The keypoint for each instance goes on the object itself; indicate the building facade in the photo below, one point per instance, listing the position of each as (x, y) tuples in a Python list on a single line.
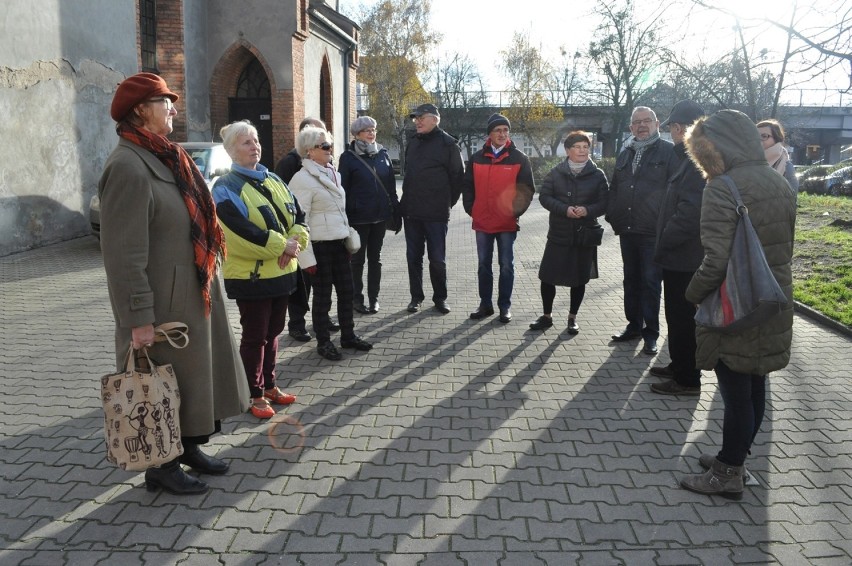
[(271, 61)]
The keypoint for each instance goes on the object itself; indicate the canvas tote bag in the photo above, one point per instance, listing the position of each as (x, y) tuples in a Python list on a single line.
[(141, 407)]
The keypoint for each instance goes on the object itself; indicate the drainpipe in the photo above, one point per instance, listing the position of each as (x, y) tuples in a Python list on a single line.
[(350, 49)]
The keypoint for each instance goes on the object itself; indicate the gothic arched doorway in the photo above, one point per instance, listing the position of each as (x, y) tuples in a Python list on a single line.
[(253, 101)]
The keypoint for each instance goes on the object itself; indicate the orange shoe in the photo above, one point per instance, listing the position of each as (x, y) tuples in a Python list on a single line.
[(261, 409), (279, 397)]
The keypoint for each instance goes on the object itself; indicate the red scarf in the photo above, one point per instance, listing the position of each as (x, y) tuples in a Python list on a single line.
[(205, 232)]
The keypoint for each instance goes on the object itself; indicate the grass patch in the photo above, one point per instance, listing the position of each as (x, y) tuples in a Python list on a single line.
[(822, 255)]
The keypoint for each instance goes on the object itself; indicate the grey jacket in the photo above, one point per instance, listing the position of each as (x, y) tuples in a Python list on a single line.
[(151, 276)]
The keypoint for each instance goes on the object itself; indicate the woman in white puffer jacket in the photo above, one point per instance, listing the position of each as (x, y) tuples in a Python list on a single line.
[(320, 194)]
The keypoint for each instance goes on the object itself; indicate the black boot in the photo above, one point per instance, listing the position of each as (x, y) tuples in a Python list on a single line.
[(171, 477), (200, 462)]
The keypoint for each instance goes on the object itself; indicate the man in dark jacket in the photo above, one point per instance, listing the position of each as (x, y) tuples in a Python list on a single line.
[(297, 308), (434, 172), (679, 253), (642, 171), (498, 189)]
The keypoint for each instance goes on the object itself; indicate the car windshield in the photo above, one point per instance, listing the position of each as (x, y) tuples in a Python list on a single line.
[(210, 159)]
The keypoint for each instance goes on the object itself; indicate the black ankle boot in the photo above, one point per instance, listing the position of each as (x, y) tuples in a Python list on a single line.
[(171, 477), (200, 462)]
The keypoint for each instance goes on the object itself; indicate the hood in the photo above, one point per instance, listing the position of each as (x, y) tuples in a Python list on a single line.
[(724, 141)]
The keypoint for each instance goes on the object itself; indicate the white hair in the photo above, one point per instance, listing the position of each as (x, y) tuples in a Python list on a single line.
[(234, 130)]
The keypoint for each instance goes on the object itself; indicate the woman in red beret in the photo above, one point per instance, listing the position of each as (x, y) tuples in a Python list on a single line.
[(161, 244)]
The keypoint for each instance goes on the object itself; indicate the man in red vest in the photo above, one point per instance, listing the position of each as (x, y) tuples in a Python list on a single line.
[(498, 188)]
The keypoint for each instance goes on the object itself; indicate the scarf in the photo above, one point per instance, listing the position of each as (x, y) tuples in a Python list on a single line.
[(364, 148), (777, 157), (576, 167), (204, 232), (639, 147)]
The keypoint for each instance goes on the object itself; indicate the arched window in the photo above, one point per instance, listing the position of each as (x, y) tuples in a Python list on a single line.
[(148, 35), (325, 96), (253, 82)]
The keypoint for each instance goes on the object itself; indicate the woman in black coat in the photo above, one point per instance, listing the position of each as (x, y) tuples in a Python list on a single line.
[(367, 177), (575, 193)]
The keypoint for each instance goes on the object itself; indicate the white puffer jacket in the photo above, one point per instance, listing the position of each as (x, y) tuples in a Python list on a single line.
[(321, 196)]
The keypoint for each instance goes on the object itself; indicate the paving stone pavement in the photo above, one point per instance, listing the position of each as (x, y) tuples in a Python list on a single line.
[(452, 442)]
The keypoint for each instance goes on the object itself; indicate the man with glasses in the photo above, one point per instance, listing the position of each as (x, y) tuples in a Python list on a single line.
[(679, 253), (498, 189), (434, 172), (642, 171)]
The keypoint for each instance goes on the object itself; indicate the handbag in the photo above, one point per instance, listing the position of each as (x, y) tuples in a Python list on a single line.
[(749, 295), (589, 236), (142, 406), (394, 223), (352, 241)]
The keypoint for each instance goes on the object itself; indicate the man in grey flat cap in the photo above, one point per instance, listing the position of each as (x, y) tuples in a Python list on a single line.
[(434, 173), (679, 253)]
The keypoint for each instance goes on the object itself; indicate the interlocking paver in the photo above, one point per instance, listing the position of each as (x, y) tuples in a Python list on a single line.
[(453, 441)]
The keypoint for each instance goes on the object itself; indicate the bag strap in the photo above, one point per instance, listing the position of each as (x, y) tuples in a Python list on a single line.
[(742, 209), (376, 175), (175, 333)]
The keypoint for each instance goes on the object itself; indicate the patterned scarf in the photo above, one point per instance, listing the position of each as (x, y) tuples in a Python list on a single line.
[(639, 147), (205, 233)]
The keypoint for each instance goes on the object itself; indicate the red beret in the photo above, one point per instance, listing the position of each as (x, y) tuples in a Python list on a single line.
[(135, 89)]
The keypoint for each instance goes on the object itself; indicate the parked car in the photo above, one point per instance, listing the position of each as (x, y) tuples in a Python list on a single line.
[(811, 181), (210, 157), (834, 181)]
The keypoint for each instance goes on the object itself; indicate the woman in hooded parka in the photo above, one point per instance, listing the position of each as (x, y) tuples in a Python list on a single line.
[(728, 143)]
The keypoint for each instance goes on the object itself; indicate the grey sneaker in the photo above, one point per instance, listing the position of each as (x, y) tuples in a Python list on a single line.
[(672, 387)]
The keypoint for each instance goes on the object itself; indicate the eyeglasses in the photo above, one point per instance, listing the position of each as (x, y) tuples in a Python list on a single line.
[(421, 117), (168, 101), (580, 147), (325, 146), (765, 136), (368, 131), (646, 121)]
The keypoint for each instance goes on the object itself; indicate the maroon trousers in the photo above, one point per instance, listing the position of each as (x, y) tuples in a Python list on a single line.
[(262, 321)]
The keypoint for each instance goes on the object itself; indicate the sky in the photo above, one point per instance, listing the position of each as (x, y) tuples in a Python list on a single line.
[(483, 29)]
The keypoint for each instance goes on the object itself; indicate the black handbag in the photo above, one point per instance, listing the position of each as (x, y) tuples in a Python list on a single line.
[(589, 236), (749, 295)]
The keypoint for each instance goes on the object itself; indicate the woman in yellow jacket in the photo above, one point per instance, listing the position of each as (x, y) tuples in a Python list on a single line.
[(264, 230)]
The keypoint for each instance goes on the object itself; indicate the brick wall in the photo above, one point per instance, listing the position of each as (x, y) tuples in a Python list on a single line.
[(170, 55)]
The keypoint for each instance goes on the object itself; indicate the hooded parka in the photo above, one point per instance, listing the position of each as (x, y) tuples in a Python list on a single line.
[(728, 142)]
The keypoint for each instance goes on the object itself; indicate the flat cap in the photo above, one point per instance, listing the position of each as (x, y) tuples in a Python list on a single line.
[(135, 89), (424, 109), (684, 112)]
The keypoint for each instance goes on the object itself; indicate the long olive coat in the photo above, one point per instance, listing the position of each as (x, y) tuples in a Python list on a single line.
[(728, 142), (148, 258)]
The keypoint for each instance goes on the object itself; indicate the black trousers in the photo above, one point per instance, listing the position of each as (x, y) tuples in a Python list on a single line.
[(680, 319), (333, 271)]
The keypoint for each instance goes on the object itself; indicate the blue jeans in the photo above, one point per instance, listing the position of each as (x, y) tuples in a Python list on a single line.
[(506, 262), (744, 397), (642, 285), (420, 236)]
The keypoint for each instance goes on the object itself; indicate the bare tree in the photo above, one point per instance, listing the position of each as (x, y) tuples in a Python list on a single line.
[(396, 40), (529, 76), (627, 53), (819, 38), (462, 99)]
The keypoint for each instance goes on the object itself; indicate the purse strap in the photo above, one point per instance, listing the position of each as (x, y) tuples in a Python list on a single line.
[(376, 175), (175, 333), (742, 209)]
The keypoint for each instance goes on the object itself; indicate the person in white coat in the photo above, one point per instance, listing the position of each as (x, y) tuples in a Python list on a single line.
[(318, 189)]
